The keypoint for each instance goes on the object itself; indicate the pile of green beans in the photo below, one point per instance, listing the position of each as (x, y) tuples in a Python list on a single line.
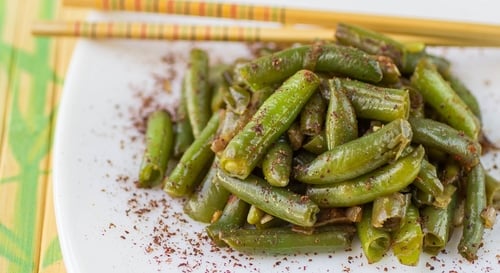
[(301, 149)]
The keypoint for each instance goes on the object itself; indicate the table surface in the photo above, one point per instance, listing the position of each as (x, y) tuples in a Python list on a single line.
[(31, 78)]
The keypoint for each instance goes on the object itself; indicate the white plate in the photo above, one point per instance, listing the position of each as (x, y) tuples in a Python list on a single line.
[(107, 225)]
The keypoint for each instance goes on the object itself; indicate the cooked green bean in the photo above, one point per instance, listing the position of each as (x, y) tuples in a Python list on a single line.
[(286, 241), (390, 71), (378, 44), (438, 93), (388, 211), (218, 85), (236, 98), (198, 97), (279, 66), (233, 217), (375, 242), (272, 119), (427, 179), (475, 203), (374, 102), (194, 161), (357, 157), (276, 201), (183, 131), (254, 215), (328, 216), (408, 240), (341, 125), (437, 135), (437, 226), (159, 140), (421, 198), (295, 136), (312, 115), (451, 172), (442, 200), (277, 163), (416, 103), (268, 221), (316, 144), (492, 191), (368, 187), (465, 94), (208, 199), (232, 123)]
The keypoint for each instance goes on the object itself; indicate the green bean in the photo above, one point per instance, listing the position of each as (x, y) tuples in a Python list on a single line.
[(208, 199), (408, 240), (389, 69), (194, 161), (276, 201), (254, 215), (438, 93), (341, 123), (316, 144), (437, 135), (475, 203), (286, 241), (488, 216), (373, 102), (375, 242), (236, 98), (183, 131), (378, 44), (229, 126), (328, 216), (465, 94), (442, 200), (232, 123), (451, 172), (313, 115), (218, 85), (277, 163), (295, 136), (421, 198), (416, 103), (389, 211), (198, 97), (366, 188), (159, 140), (427, 180), (357, 157), (302, 158), (437, 226), (278, 66), (233, 217), (268, 221), (272, 119), (492, 191)]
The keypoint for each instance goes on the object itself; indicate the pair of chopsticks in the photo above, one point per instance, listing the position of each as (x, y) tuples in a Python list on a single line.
[(435, 32)]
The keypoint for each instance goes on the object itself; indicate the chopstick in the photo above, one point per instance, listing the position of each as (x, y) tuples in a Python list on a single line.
[(141, 30), (454, 30)]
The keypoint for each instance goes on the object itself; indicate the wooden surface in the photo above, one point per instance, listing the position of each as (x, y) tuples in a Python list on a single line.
[(31, 78)]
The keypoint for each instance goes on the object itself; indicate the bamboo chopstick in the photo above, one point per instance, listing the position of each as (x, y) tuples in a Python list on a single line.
[(388, 24), (136, 30)]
